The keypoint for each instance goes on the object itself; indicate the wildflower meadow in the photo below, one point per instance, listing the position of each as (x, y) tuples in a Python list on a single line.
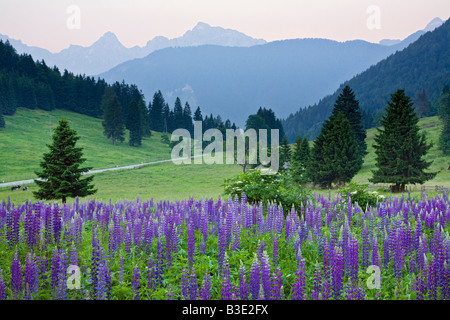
[(330, 249)]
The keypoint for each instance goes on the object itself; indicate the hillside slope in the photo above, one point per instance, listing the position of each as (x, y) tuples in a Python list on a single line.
[(423, 65)]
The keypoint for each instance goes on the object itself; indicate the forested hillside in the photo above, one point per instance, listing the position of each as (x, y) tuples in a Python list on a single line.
[(423, 67)]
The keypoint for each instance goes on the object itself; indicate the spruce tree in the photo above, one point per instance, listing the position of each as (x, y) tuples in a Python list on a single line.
[(156, 112), (304, 151), (334, 157), (134, 122), (285, 153), (187, 118), (296, 154), (399, 147), (347, 104), (113, 126), (198, 115), (444, 115), (60, 177), (178, 115)]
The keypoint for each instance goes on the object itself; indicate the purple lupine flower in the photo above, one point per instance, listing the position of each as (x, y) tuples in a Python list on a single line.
[(95, 262), (185, 284), (298, 287), (62, 278), (136, 283), (265, 275), (352, 263), (317, 283), (255, 279), (170, 294), (121, 270), (159, 262), (375, 252), (102, 284), (338, 272), (226, 290), (221, 246), (351, 293), (365, 246), (202, 246), (128, 240), (276, 286), (73, 255), (31, 277), (55, 272), (236, 235), (205, 291), (169, 234), (190, 243), (432, 279), (386, 253), (2, 287), (57, 224), (243, 285), (192, 286)]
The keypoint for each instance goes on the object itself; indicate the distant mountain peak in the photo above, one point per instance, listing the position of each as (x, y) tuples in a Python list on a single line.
[(108, 38), (433, 24), (201, 26)]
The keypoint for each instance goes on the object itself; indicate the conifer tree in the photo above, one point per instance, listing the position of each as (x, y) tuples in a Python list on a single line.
[(134, 123), (113, 126), (285, 153), (334, 156), (347, 104), (178, 115), (304, 151), (399, 147), (198, 115), (444, 115), (187, 118), (60, 177), (156, 112), (2, 120)]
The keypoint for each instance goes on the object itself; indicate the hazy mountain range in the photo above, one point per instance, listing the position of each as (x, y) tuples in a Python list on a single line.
[(234, 82), (107, 52), (424, 66), (225, 71)]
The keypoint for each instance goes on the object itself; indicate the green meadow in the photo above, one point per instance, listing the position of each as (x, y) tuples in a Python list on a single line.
[(24, 140)]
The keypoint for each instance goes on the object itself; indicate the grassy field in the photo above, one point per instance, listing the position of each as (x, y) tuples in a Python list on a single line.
[(27, 133), (23, 141)]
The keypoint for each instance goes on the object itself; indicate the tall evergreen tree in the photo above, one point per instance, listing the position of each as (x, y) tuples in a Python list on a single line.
[(347, 104), (296, 154), (198, 115), (399, 147), (60, 177), (113, 126), (334, 156), (178, 114), (187, 118), (285, 153), (134, 122), (444, 115), (156, 117)]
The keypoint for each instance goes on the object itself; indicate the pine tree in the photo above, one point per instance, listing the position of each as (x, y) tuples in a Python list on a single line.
[(347, 104), (60, 177), (178, 115), (187, 118), (285, 153), (198, 115), (334, 156), (156, 116), (113, 126), (304, 151), (399, 147), (134, 122), (296, 154), (444, 115)]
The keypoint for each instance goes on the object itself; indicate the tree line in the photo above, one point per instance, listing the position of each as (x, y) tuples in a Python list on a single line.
[(338, 151)]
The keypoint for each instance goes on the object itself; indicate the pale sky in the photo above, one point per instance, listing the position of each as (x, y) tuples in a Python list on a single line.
[(51, 24)]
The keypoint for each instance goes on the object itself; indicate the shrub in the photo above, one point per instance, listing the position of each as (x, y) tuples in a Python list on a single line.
[(277, 188), (360, 194)]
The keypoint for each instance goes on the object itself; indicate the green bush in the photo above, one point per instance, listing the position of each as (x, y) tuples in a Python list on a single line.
[(360, 194), (277, 188)]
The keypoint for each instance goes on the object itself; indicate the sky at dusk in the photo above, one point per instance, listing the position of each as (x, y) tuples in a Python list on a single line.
[(55, 24)]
